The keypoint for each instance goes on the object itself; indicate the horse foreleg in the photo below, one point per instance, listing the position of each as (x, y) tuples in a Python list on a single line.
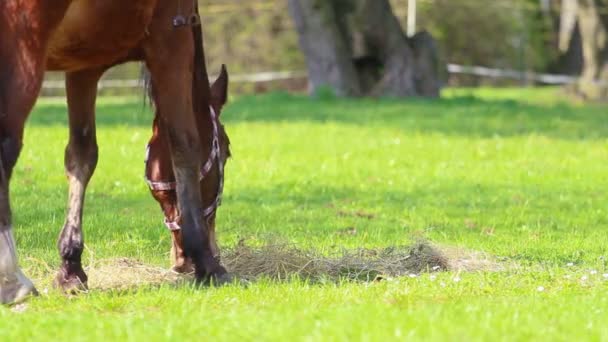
[(176, 107), (80, 162), (169, 56)]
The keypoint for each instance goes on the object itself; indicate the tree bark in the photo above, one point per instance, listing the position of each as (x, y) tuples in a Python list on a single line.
[(566, 38), (357, 47), (593, 25), (327, 55)]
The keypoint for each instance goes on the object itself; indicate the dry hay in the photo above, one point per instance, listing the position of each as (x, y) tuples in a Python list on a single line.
[(107, 274), (125, 273), (283, 261)]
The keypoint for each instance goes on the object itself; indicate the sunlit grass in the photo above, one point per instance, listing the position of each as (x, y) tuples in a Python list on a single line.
[(519, 174)]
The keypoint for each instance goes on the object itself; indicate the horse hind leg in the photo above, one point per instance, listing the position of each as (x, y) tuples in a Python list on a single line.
[(25, 28), (20, 80), (15, 105), (14, 285), (80, 161)]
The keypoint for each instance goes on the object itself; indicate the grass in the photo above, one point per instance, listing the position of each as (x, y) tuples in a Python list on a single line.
[(519, 174)]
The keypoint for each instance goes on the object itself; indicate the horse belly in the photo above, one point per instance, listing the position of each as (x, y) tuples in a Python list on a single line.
[(96, 33)]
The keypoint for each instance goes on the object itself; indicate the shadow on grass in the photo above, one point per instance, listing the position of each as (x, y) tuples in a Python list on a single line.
[(462, 115)]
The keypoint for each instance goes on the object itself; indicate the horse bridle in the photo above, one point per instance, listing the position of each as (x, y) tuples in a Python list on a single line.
[(215, 157), (179, 20)]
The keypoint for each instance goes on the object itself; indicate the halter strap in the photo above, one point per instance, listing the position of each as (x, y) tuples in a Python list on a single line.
[(214, 158)]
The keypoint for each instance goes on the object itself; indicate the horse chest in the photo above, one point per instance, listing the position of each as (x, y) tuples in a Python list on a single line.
[(98, 32)]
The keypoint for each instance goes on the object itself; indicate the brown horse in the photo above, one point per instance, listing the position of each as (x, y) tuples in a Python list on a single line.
[(84, 38), (161, 180)]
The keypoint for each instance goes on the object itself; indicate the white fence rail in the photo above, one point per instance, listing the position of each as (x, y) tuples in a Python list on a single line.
[(242, 78), (510, 74), (526, 76), (551, 79)]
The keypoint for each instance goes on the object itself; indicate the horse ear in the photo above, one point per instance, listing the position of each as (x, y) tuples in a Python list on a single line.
[(219, 89)]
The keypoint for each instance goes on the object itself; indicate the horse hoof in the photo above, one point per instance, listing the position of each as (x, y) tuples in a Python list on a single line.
[(223, 279), (16, 288), (71, 284)]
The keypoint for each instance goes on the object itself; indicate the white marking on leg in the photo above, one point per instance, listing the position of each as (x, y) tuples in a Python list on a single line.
[(14, 285), (8, 255)]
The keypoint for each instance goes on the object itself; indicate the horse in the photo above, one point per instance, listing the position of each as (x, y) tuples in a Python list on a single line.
[(161, 180), (84, 38)]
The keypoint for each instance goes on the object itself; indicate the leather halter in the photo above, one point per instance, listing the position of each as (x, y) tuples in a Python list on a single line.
[(214, 158)]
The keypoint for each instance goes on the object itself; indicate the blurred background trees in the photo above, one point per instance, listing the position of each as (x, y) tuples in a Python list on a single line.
[(586, 21), (358, 47), (524, 35)]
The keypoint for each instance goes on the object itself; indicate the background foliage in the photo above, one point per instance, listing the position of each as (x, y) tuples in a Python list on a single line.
[(257, 36)]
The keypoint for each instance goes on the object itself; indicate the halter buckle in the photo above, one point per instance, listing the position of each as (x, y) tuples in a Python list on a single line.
[(172, 225)]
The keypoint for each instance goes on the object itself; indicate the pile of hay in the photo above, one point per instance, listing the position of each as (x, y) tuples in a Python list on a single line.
[(285, 261), (125, 273)]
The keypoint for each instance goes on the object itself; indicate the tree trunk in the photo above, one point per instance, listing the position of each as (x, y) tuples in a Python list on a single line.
[(570, 60), (357, 47), (566, 38), (593, 25), (327, 55)]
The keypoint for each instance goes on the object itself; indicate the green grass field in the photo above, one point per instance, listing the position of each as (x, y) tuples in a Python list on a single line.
[(518, 174)]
